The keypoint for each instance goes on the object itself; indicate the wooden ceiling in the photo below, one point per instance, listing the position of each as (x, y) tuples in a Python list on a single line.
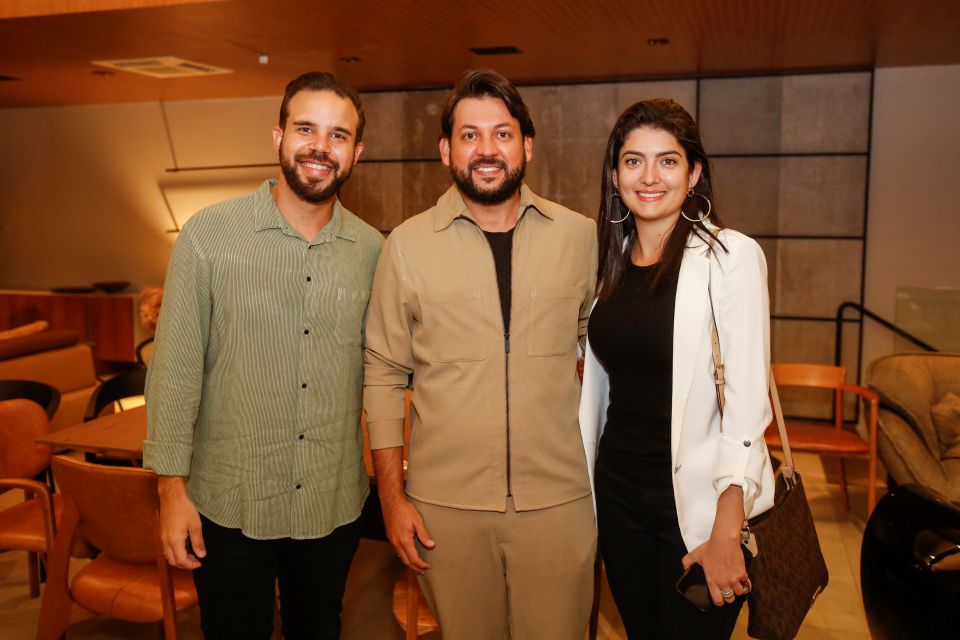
[(426, 43)]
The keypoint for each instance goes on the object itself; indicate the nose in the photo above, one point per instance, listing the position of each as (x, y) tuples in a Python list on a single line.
[(649, 175), (486, 146), (319, 143)]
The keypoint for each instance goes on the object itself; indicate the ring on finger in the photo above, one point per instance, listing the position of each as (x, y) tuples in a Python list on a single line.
[(747, 586), (728, 593)]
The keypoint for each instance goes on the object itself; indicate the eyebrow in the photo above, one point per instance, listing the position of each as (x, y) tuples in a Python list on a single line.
[(659, 154), (309, 123), (496, 126)]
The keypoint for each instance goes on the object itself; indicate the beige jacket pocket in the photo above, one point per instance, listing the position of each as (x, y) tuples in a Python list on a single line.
[(554, 317), (449, 327)]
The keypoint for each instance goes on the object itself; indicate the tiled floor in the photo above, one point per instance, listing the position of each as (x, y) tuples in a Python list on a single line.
[(837, 614)]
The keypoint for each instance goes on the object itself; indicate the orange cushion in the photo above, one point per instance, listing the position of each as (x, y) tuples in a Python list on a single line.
[(129, 591), (817, 438)]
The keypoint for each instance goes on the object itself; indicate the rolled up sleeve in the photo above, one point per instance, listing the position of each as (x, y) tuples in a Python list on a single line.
[(175, 376), (388, 350), (743, 317)]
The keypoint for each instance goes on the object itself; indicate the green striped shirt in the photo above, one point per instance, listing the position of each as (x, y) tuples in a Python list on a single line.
[(254, 386)]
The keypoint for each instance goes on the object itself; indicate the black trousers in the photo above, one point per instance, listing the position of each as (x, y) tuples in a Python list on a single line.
[(236, 583), (641, 546)]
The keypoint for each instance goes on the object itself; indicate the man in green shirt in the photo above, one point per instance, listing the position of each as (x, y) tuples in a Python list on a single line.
[(253, 395)]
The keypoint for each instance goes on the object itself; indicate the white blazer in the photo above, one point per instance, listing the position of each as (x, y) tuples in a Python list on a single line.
[(706, 462)]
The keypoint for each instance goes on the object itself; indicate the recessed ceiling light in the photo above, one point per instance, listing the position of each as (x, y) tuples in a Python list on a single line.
[(163, 67), (658, 42), (8, 79), (495, 51)]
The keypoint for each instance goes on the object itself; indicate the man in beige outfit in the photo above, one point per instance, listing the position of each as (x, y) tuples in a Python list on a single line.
[(482, 300)]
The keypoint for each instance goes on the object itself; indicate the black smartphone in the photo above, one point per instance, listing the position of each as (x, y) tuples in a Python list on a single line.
[(692, 585)]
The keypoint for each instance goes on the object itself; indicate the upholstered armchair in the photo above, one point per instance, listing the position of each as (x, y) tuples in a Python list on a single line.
[(919, 430)]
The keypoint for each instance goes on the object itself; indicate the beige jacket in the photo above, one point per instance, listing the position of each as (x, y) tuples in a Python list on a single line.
[(486, 422)]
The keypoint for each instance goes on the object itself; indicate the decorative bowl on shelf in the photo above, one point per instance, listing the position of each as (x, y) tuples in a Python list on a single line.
[(115, 286)]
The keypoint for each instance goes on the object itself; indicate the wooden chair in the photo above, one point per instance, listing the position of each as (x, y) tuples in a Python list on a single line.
[(28, 526), (126, 384), (408, 604), (116, 510), (43, 394), (830, 439), (144, 352)]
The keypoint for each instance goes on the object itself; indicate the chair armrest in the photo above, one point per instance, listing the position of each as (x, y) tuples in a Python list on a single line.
[(867, 394), (40, 491), (37, 489), (872, 399)]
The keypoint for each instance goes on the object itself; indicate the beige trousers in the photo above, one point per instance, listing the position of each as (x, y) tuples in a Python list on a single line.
[(531, 571)]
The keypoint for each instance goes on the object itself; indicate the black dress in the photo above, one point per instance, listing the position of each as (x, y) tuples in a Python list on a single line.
[(631, 334)]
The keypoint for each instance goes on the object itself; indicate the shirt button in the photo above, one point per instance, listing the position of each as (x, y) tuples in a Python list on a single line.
[(303, 385), (306, 332), (309, 278), (746, 443), (299, 486), (300, 437)]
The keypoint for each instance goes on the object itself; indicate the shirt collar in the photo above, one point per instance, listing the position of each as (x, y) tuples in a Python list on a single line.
[(451, 206), (268, 216)]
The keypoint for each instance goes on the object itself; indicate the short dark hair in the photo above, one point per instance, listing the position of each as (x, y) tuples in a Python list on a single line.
[(322, 81), (486, 83)]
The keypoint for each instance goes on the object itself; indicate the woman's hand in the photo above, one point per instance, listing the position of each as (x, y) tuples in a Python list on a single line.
[(721, 556)]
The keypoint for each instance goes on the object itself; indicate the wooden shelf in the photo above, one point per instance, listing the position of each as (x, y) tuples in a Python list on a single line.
[(106, 320)]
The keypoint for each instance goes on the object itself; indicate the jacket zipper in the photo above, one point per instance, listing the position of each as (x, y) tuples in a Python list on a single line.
[(506, 342), (506, 369)]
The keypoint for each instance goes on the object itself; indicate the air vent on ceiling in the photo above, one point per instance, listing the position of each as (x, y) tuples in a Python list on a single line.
[(495, 51), (163, 67)]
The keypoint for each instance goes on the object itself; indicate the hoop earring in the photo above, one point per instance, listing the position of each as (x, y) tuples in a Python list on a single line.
[(616, 195), (703, 216)]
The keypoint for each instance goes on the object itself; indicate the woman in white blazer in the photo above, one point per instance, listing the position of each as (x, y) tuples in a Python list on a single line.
[(672, 488)]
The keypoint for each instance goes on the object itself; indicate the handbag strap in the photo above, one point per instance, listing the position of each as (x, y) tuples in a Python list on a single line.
[(788, 467)]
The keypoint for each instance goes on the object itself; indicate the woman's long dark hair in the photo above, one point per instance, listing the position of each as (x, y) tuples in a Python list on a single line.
[(616, 239)]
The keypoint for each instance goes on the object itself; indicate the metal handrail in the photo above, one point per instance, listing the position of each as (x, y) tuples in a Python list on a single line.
[(838, 341)]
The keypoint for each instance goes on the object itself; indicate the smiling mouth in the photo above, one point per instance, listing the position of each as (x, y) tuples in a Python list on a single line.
[(488, 168), (316, 166), (650, 196)]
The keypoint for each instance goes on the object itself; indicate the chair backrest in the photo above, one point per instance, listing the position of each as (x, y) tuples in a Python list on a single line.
[(812, 377), (20, 422), (144, 352), (809, 375), (122, 385), (118, 507), (43, 394)]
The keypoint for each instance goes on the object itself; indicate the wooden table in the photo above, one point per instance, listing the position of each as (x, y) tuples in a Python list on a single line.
[(119, 435)]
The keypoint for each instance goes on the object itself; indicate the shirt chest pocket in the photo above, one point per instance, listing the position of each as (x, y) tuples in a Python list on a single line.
[(351, 306), (449, 327), (554, 318)]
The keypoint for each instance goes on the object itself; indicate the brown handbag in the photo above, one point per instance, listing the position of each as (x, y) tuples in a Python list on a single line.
[(787, 571)]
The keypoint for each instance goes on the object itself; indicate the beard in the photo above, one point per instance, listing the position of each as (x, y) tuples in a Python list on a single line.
[(313, 191), (494, 195)]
